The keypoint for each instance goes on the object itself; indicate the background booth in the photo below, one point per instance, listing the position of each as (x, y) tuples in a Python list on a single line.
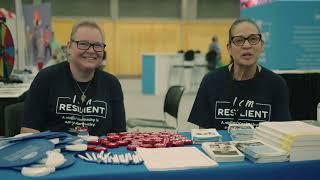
[(160, 71)]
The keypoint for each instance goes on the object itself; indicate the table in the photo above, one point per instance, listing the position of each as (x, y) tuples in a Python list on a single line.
[(234, 171)]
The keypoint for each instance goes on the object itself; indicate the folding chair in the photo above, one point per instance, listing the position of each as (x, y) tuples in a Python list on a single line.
[(171, 107)]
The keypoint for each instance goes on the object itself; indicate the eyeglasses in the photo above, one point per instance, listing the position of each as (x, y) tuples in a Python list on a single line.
[(253, 39), (85, 45)]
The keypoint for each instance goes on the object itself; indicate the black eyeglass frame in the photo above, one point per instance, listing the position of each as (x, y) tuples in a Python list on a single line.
[(90, 44), (246, 39)]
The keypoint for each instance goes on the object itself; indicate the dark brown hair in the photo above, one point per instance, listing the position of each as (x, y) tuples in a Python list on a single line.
[(234, 24), (238, 21)]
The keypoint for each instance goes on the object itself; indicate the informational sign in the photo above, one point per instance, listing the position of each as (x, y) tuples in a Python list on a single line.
[(38, 32), (291, 32)]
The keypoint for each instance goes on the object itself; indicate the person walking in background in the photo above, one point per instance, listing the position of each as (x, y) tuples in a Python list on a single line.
[(75, 95), (47, 38), (213, 55), (241, 91)]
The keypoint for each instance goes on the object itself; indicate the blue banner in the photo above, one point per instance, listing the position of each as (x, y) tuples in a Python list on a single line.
[(291, 31)]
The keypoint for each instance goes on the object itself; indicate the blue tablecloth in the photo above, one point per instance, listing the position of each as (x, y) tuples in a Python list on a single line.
[(234, 171)]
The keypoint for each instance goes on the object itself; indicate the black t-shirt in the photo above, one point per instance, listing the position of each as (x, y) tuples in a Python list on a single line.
[(54, 102), (221, 100)]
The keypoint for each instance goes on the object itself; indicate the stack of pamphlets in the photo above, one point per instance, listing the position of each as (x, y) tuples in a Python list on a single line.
[(300, 139), (205, 135), (222, 151), (258, 151), (241, 132)]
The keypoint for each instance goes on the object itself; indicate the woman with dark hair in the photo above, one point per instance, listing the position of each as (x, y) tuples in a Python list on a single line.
[(243, 91)]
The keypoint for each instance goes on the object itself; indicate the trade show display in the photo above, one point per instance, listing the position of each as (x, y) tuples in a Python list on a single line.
[(290, 30)]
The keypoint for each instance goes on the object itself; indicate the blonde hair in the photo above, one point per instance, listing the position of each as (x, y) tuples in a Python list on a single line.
[(86, 23)]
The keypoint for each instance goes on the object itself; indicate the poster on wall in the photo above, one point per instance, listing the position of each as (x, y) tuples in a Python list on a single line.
[(291, 32), (38, 32), (251, 3)]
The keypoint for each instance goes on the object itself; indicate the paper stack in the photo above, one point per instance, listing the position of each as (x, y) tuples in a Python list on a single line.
[(258, 151), (174, 158), (241, 132), (300, 139), (205, 135), (222, 151)]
